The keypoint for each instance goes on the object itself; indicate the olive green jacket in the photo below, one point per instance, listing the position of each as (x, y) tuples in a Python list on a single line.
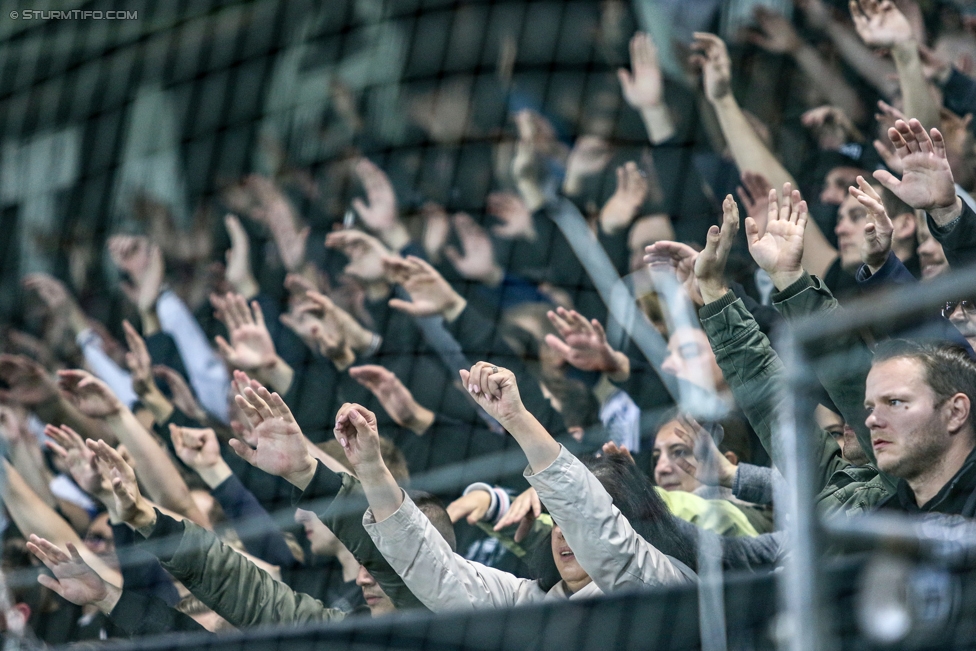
[(755, 375)]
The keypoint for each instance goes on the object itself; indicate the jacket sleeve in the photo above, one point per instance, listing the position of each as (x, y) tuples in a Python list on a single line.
[(753, 371), (441, 579), (228, 583), (842, 363), (339, 502), (138, 614), (750, 366), (603, 540), (958, 237)]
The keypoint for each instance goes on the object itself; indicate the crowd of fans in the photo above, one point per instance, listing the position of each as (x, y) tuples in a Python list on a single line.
[(253, 466)]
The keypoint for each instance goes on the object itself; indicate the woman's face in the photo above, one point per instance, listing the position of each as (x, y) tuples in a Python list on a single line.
[(669, 445), (574, 576)]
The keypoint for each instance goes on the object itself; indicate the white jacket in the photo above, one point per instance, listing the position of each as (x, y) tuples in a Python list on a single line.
[(605, 545)]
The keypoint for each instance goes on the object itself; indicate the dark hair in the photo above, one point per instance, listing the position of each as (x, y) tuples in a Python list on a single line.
[(395, 462), (636, 497), (434, 509), (577, 404), (948, 368)]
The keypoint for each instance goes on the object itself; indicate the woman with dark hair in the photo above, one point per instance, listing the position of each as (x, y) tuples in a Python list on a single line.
[(594, 546)]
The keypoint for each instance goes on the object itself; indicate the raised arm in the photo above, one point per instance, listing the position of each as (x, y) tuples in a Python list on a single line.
[(161, 477), (749, 151), (439, 578), (643, 88), (33, 516), (604, 542), (881, 24)]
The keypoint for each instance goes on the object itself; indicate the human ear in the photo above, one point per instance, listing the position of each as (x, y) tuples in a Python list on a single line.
[(958, 407)]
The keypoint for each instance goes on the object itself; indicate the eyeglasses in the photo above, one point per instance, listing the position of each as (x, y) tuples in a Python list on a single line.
[(950, 307)]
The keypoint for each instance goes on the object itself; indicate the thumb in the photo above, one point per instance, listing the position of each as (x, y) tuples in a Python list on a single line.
[(243, 450), (472, 519), (453, 255), (359, 206), (626, 81), (50, 583), (464, 376), (887, 179), (405, 306)]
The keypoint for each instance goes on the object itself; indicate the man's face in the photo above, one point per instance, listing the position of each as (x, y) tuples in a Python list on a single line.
[(931, 257), (690, 358), (850, 232), (836, 183), (908, 428), (963, 316), (379, 604), (668, 446)]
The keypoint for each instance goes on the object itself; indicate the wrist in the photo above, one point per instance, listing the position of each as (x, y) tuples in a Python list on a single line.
[(106, 603), (783, 279), (420, 421), (904, 51), (278, 375), (621, 367), (726, 475), (372, 473), (301, 477), (494, 277), (454, 307), (343, 358), (215, 475), (396, 237), (142, 518), (247, 287), (942, 215), (712, 292)]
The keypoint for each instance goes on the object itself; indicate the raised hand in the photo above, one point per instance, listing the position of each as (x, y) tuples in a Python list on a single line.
[(199, 449), (780, 250), (437, 227), (472, 507), (611, 449), (879, 23), (28, 382), (365, 253), (754, 195), (380, 214), (395, 398), (478, 261), (130, 505), (524, 510), (495, 389), (280, 447), (643, 84), (251, 347), (139, 362), (514, 215), (429, 293), (831, 126), (356, 431), (73, 579), (623, 205), (926, 183), (275, 211), (238, 258), (708, 465), (90, 395), (583, 343), (142, 263), (712, 58), (590, 154), (180, 392), (80, 461), (776, 32), (710, 265), (878, 228), (677, 258)]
